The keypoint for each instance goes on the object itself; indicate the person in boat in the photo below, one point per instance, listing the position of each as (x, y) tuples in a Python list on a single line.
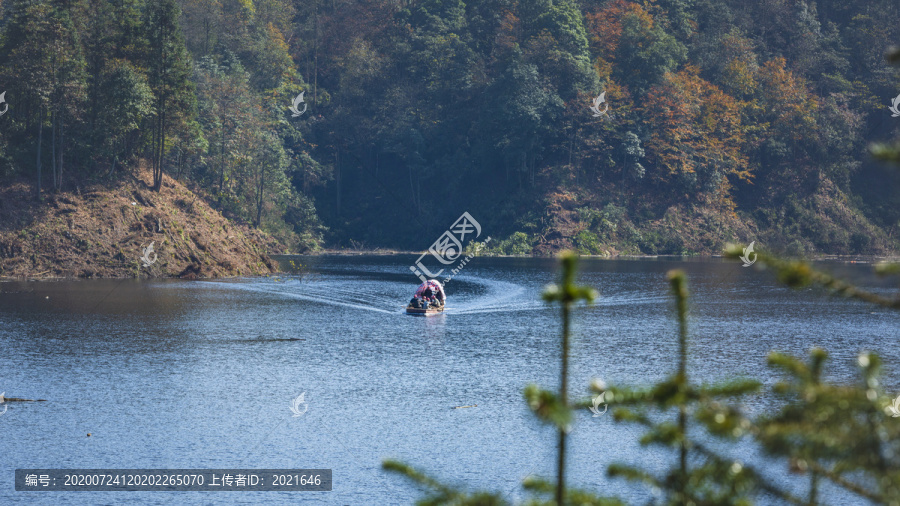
[(431, 291), (439, 292)]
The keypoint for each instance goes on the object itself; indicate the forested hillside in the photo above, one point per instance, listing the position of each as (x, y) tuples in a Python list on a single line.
[(719, 120)]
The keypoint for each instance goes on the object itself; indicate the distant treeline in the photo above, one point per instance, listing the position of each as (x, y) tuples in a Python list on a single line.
[(754, 115)]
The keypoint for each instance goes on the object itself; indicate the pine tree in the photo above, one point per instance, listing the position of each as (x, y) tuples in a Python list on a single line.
[(169, 71)]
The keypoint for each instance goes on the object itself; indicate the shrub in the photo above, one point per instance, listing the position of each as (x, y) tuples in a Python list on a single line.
[(587, 243)]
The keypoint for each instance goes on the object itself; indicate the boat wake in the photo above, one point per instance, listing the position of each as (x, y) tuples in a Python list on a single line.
[(504, 297), (499, 296), (472, 295), (332, 294)]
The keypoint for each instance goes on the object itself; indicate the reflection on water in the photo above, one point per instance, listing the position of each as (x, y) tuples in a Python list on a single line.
[(202, 374)]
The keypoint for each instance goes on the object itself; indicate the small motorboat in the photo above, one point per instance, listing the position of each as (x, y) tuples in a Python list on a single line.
[(429, 299)]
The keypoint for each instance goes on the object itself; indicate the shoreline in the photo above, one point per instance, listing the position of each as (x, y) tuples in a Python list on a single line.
[(845, 259), (815, 258)]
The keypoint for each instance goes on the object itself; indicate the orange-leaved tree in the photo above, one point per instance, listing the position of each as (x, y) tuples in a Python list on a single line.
[(697, 138)]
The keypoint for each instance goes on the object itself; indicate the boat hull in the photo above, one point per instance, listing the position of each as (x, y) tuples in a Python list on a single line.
[(423, 312)]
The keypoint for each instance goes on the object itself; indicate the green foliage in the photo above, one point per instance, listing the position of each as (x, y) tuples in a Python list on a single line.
[(520, 105), (102, 85), (838, 433), (543, 492), (605, 226), (516, 244), (440, 493), (560, 49), (701, 476), (798, 274), (127, 102), (564, 22), (884, 151), (834, 432), (646, 52), (587, 243), (653, 242), (763, 108), (169, 70), (548, 407)]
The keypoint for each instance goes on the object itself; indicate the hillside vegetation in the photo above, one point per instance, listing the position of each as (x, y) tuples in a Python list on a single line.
[(722, 120)]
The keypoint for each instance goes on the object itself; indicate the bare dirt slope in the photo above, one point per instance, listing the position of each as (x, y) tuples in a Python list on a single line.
[(103, 231)]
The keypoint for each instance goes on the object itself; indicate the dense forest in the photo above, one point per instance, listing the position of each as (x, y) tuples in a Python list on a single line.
[(713, 120)]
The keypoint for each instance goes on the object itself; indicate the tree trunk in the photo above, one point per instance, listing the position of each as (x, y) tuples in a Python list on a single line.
[(222, 162), (337, 178), (305, 180), (62, 146), (178, 164), (157, 180), (155, 162), (259, 195), (206, 41), (37, 193), (533, 156), (412, 190), (564, 400), (524, 168), (316, 56), (154, 156), (53, 150)]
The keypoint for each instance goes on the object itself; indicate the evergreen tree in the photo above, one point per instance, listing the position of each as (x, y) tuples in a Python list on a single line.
[(169, 70)]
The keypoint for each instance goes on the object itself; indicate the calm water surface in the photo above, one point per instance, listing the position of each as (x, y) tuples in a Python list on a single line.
[(180, 374)]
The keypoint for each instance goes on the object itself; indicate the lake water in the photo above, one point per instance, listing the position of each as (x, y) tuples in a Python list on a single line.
[(198, 374)]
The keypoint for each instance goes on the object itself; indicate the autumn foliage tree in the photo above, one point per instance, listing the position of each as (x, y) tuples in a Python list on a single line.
[(697, 139)]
